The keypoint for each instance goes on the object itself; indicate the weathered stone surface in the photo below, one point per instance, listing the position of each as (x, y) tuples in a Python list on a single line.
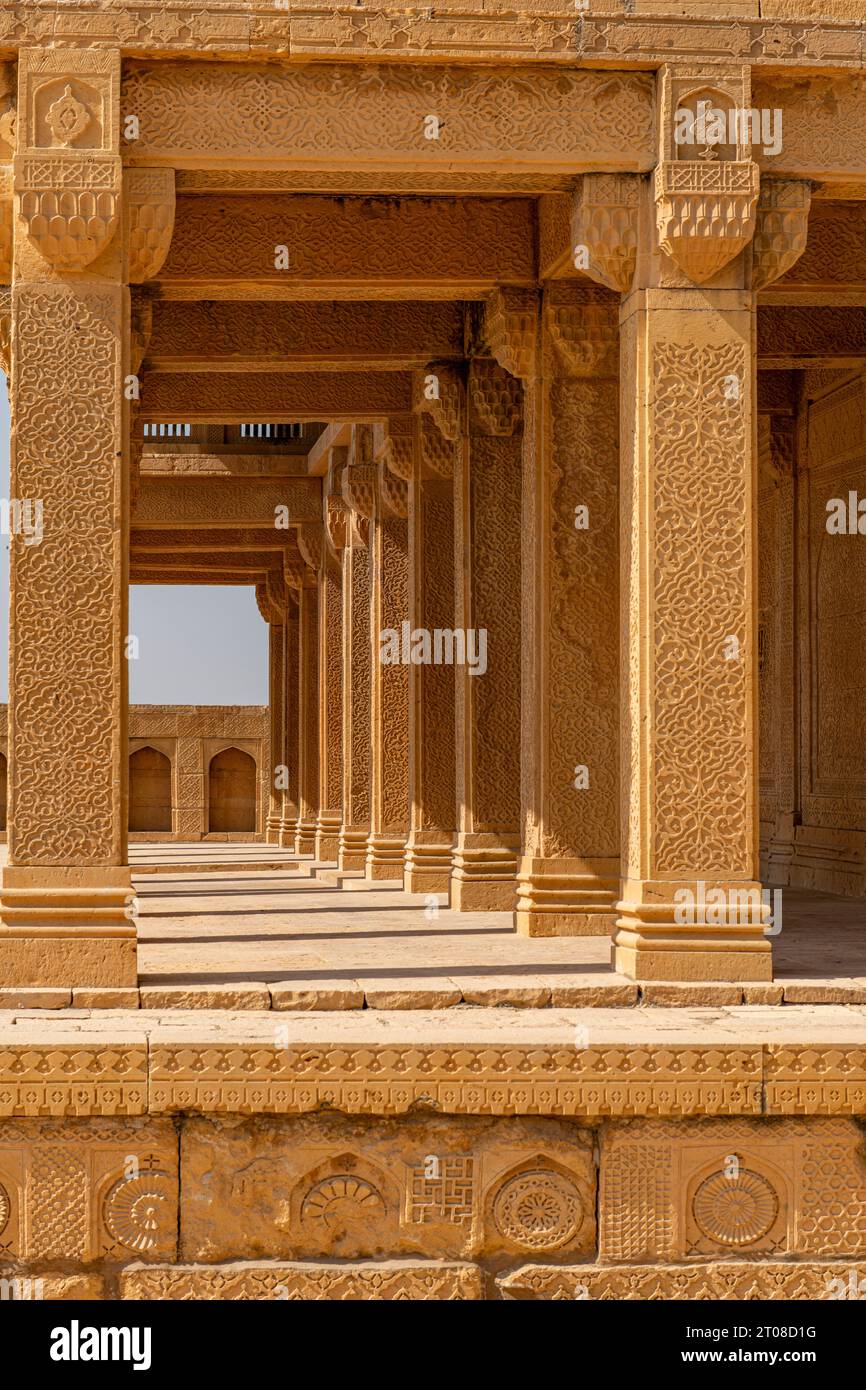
[(331, 1186)]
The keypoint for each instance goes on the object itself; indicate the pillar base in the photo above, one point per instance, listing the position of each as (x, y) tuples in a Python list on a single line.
[(385, 855), (352, 848), (427, 863), (273, 829), (484, 876), (305, 837), (288, 831), (327, 846), (67, 927), (693, 931), (567, 897)]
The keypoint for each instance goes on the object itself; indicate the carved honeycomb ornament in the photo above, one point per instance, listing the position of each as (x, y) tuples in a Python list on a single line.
[(139, 1211), (538, 1210), (735, 1211)]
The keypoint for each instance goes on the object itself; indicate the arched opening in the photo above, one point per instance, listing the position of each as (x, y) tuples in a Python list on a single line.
[(232, 791), (149, 790), (2, 791)]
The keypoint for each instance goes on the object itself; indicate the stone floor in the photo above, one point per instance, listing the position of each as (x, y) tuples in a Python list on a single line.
[(251, 936), (248, 926)]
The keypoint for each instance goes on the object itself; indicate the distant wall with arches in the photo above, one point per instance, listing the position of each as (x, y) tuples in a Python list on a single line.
[(196, 772)]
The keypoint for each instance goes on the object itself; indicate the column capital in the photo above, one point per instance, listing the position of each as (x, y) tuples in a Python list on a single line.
[(436, 453), (495, 397), (604, 224), (439, 392), (510, 328), (395, 446), (7, 224), (781, 230), (581, 322), (141, 326), (148, 206), (393, 492), (706, 181), (310, 544), (67, 163)]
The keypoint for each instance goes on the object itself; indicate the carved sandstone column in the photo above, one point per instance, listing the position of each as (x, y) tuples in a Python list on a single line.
[(358, 483), (487, 530), (569, 868), (389, 705), (310, 542), (65, 908), (691, 906), (275, 619), (291, 735), (331, 667), (431, 686)]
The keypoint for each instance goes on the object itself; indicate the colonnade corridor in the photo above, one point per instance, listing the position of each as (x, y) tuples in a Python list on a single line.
[(493, 927)]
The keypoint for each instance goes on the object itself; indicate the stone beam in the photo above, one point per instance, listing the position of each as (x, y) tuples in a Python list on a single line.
[(277, 465), (335, 118), (197, 336), (231, 397), (214, 537), (183, 502), (251, 564), (347, 248), (146, 575), (803, 337)]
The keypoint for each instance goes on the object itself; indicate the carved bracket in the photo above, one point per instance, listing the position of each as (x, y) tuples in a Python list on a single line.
[(705, 213), (310, 544), (141, 327), (582, 324), (604, 221), (781, 230), (495, 397), (393, 491), (149, 202), (67, 172), (6, 225), (510, 328), (438, 392), (437, 453)]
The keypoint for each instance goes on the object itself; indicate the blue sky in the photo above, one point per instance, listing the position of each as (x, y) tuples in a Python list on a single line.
[(197, 645)]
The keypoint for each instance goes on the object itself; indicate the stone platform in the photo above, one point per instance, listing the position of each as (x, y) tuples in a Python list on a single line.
[(463, 1153)]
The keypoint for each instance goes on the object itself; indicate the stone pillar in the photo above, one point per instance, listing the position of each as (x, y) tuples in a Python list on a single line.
[(780, 434), (691, 906), (66, 914), (271, 599), (331, 667), (389, 704), (431, 687), (310, 541), (487, 529), (569, 868), (358, 483), (275, 618), (291, 752)]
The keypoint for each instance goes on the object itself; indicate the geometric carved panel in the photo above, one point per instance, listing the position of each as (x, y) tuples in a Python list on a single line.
[(88, 1190), (732, 1189)]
